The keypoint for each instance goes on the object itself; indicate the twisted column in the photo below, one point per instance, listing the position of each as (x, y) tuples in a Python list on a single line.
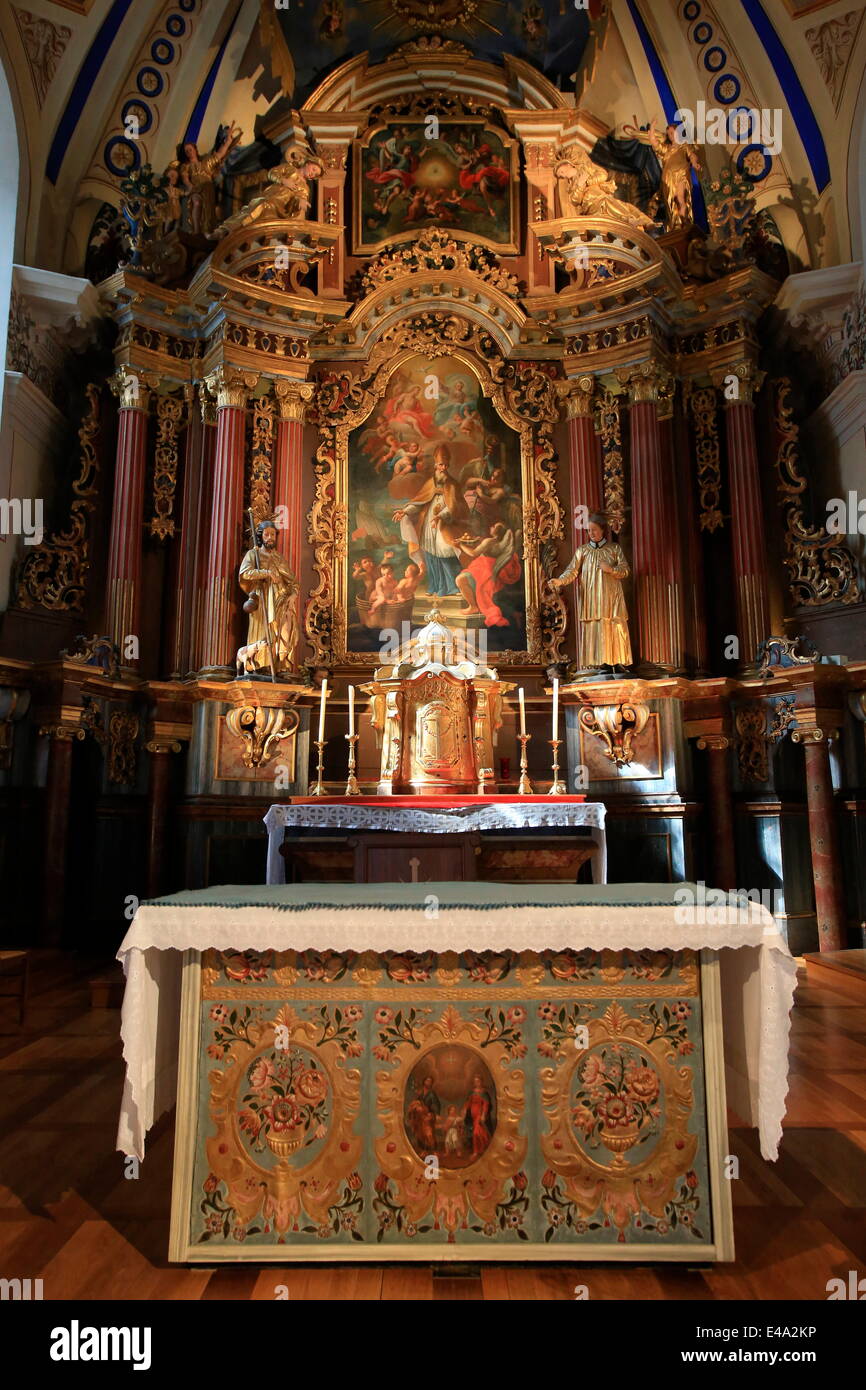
[(123, 600)]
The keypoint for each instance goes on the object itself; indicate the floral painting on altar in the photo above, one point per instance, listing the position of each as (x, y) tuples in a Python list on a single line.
[(458, 175), (345, 1105), (435, 506)]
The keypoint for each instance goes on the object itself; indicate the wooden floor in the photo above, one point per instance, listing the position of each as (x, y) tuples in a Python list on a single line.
[(68, 1216)]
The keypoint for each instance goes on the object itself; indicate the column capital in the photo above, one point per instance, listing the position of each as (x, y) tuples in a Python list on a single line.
[(162, 745), (63, 733), (647, 382), (749, 382), (231, 387), (293, 397), (576, 393), (814, 735), (131, 387), (716, 743)]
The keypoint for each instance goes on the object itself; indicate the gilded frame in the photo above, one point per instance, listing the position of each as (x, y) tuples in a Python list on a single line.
[(524, 397), (509, 247)]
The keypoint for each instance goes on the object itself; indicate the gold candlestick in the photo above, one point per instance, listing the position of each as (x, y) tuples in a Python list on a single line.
[(319, 788), (524, 786), (352, 788), (558, 788), (483, 772)]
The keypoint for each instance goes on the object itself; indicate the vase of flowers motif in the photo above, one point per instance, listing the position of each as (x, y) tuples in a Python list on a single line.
[(620, 1126), (286, 1131)]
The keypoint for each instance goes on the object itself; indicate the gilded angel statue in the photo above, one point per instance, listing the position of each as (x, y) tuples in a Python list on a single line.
[(677, 160), (289, 199), (587, 190)]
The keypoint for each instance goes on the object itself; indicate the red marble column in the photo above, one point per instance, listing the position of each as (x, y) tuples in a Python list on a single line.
[(58, 788), (288, 491), (720, 811), (747, 518), (650, 506), (123, 589), (221, 591), (202, 550), (160, 751), (823, 838), (587, 488), (694, 594), (674, 527)]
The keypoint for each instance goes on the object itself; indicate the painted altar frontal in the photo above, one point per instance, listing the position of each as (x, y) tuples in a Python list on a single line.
[(343, 1106)]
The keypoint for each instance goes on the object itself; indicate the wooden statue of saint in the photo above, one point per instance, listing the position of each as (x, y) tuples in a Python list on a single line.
[(598, 568), (272, 606)]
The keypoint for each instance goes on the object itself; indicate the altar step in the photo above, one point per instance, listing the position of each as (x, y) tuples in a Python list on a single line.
[(843, 970)]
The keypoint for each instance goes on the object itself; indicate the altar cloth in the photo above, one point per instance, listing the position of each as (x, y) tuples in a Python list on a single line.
[(758, 975), (522, 813)]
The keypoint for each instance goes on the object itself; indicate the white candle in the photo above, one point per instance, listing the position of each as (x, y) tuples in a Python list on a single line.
[(322, 711), (522, 711), (351, 710), (556, 707)]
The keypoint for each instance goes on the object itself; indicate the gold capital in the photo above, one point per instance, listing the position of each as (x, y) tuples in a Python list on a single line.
[(293, 398), (749, 381), (646, 382), (231, 387), (132, 388), (577, 393)]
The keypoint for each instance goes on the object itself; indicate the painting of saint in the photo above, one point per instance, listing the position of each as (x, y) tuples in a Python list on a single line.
[(449, 1106), (435, 505), (459, 175)]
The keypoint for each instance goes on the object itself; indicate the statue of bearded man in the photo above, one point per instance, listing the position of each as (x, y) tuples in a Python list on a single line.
[(266, 577)]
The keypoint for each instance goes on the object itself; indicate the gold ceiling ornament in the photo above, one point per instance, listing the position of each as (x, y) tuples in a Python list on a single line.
[(609, 428), (438, 249), (524, 394), (52, 574), (432, 102), (751, 725), (822, 569), (123, 729), (617, 726), (704, 403), (438, 16), (261, 457), (261, 731), (169, 415)]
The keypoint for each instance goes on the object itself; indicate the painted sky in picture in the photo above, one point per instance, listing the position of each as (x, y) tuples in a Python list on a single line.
[(435, 507)]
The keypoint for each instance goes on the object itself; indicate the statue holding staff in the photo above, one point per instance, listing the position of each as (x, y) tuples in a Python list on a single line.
[(273, 624)]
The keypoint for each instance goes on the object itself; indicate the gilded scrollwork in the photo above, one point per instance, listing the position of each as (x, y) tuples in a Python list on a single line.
[(708, 457), (437, 249), (609, 427), (821, 567), (169, 415), (53, 574), (262, 452)]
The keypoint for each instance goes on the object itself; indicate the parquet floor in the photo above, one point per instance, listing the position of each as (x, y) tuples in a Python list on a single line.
[(68, 1216)]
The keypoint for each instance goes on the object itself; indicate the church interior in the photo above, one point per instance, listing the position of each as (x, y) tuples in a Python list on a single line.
[(433, 650)]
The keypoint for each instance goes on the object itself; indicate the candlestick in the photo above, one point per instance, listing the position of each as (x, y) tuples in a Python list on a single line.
[(482, 772), (558, 787), (556, 707), (352, 788), (351, 710), (319, 788), (522, 711), (322, 704), (524, 786)]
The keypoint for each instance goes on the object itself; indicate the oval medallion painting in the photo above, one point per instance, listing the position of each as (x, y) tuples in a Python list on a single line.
[(449, 1106)]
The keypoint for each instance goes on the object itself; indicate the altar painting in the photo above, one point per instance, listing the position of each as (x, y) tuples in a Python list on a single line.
[(457, 175), (435, 506)]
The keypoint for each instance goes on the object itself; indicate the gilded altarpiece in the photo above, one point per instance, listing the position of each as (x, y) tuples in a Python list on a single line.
[(440, 420), (335, 1106)]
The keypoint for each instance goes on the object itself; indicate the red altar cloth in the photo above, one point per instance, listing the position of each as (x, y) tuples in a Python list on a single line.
[(429, 803)]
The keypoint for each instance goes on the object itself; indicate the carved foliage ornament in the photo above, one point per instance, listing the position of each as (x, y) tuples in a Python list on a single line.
[(261, 731), (616, 726), (169, 414), (708, 457), (436, 249), (52, 574), (821, 568), (609, 427), (260, 461)]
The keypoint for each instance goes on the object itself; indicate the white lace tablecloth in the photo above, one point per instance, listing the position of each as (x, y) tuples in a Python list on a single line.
[(501, 815), (758, 975)]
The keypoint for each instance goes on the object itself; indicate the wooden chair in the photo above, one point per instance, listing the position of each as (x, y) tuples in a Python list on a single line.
[(15, 971)]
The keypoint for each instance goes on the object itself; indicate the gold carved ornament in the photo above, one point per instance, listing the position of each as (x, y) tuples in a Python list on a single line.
[(617, 726), (52, 574), (169, 414), (261, 731), (752, 752), (708, 457), (609, 428), (821, 567), (261, 457), (438, 249), (123, 730)]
